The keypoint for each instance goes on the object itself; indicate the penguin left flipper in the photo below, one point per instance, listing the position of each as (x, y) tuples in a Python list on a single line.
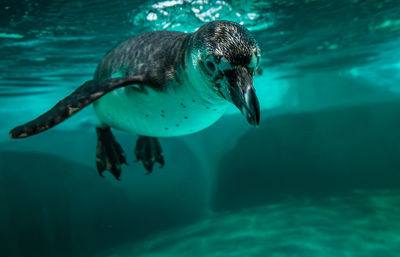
[(84, 95)]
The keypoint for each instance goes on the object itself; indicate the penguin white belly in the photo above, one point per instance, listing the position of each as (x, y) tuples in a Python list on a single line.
[(157, 113)]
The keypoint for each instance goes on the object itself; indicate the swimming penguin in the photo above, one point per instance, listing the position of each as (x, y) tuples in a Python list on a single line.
[(162, 84)]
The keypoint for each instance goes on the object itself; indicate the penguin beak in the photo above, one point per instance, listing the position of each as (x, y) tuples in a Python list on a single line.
[(243, 94)]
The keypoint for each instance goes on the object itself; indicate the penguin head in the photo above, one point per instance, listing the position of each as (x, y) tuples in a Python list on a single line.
[(228, 56)]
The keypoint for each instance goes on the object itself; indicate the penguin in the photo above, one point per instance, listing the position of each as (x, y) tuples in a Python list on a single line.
[(162, 84)]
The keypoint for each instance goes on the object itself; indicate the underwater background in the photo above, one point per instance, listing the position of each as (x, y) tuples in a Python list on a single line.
[(320, 176)]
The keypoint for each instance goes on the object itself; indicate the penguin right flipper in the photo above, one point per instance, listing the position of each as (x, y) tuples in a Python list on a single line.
[(148, 150), (84, 95)]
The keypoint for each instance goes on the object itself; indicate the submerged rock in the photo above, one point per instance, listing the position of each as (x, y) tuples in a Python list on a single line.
[(312, 154), (54, 207)]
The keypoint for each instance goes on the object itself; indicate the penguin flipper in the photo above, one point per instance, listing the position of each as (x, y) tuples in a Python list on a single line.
[(84, 95)]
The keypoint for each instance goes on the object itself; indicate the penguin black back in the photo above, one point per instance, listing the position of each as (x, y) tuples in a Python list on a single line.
[(157, 55)]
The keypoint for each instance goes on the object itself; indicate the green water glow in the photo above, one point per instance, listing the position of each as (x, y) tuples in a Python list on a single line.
[(318, 177)]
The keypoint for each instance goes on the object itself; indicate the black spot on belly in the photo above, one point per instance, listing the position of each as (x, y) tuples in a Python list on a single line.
[(147, 115), (162, 115), (166, 128), (193, 101), (177, 125), (207, 108), (186, 117), (162, 110)]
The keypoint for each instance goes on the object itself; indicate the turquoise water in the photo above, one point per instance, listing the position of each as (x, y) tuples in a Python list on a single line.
[(320, 176)]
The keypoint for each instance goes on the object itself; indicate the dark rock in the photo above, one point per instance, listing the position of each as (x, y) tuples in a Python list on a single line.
[(54, 207), (312, 154)]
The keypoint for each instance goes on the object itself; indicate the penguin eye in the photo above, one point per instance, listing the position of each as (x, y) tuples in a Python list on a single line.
[(210, 65)]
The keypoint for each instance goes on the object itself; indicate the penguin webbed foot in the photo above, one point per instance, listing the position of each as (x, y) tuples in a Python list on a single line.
[(110, 155), (148, 150)]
